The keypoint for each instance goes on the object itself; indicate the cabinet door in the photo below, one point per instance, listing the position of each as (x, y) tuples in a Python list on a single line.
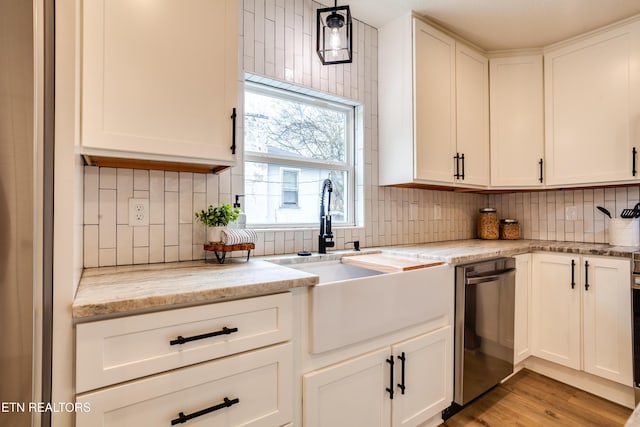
[(556, 309), (472, 115), (428, 377), (160, 78), (261, 381), (351, 393), (434, 98), (517, 121), (592, 107), (522, 328), (607, 319)]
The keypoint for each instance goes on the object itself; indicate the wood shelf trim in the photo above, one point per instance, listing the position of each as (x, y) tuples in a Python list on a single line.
[(119, 162)]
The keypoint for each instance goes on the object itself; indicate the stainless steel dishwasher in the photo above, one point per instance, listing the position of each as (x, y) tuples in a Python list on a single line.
[(484, 325)]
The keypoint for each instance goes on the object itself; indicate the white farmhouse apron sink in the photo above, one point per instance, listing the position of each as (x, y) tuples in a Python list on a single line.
[(353, 304)]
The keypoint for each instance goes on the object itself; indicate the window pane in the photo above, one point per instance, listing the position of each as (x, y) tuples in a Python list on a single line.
[(284, 127), (289, 188), (290, 179), (266, 202)]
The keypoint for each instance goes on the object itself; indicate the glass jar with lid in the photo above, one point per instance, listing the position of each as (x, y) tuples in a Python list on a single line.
[(488, 224), (509, 229)]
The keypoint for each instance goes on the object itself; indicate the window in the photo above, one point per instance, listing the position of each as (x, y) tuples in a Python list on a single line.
[(292, 143), (289, 188)]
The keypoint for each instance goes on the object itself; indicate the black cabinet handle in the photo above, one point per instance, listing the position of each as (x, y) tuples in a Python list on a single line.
[(586, 275), (390, 388), (462, 159), (540, 163), (634, 154), (402, 387), (182, 418), (182, 340), (573, 274), (233, 131), (457, 159)]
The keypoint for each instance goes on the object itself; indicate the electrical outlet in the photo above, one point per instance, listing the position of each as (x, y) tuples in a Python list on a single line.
[(138, 212), (570, 213)]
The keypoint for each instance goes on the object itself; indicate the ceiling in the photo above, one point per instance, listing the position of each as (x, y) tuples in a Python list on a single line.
[(501, 24)]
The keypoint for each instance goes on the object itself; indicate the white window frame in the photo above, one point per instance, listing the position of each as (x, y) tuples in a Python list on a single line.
[(294, 162), (283, 170)]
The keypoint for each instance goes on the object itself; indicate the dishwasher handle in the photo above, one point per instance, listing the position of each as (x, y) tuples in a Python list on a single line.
[(484, 279)]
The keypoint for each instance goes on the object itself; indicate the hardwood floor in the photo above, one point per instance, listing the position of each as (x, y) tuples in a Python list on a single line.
[(530, 399)]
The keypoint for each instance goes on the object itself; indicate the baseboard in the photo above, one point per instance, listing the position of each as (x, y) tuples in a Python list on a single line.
[(434, 421), (615, 392)]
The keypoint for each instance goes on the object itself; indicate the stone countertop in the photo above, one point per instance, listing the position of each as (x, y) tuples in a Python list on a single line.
[(463, 251), (127, 289), (130, 289)]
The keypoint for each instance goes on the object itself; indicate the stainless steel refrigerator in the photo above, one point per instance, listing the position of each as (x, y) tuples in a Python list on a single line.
[(26, 209)]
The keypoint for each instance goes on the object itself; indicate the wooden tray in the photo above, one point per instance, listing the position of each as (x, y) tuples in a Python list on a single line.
[(220, 249), (388, 263)]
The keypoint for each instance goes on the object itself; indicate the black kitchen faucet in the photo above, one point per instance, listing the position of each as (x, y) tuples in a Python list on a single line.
[(325, 239)]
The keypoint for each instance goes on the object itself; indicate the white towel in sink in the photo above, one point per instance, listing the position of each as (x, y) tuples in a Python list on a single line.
[(231, 236)]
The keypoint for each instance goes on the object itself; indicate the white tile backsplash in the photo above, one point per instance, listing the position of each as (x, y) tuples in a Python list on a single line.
[(124, 237), (107, 220), (156, 197), (107, 178), (276, 41), (91, 246), (91, 194), (124, 193), (156, 243), (171, 208), (141, 255)]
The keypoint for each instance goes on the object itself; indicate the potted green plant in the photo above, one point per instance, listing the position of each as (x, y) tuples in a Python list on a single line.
[(216, 219)]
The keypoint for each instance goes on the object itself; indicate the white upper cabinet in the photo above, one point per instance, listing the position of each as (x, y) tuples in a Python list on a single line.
[(159, 80), (592, 108), (517, 121), (433, 108), (472, 116)]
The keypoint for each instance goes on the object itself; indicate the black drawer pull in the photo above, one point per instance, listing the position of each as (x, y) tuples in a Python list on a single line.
[(586, 275), (233, 131), (182, 418), (634, 154), (183, 340), (540, 163), (390, 388), (462, 160), (573, 274), (401, 386), (457, 159)]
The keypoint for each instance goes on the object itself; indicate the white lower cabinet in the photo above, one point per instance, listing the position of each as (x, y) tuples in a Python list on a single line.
[(522, 318), (380, 388), (582, 314), (250, 389), (223, 364)]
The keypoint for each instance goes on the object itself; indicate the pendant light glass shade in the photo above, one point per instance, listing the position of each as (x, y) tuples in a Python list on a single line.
[(334, 35)]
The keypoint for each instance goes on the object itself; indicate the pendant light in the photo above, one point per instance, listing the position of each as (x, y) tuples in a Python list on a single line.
[(334, 35)]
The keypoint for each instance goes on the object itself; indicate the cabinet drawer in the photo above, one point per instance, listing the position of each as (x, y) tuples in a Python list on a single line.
[(116, 350), (260, 380)]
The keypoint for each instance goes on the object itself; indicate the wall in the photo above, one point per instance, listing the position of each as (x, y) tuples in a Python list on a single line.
[(543, 214), (276, 41)]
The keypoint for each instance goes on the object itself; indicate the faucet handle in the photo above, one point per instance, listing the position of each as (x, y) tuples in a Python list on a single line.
[(356, 245)]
